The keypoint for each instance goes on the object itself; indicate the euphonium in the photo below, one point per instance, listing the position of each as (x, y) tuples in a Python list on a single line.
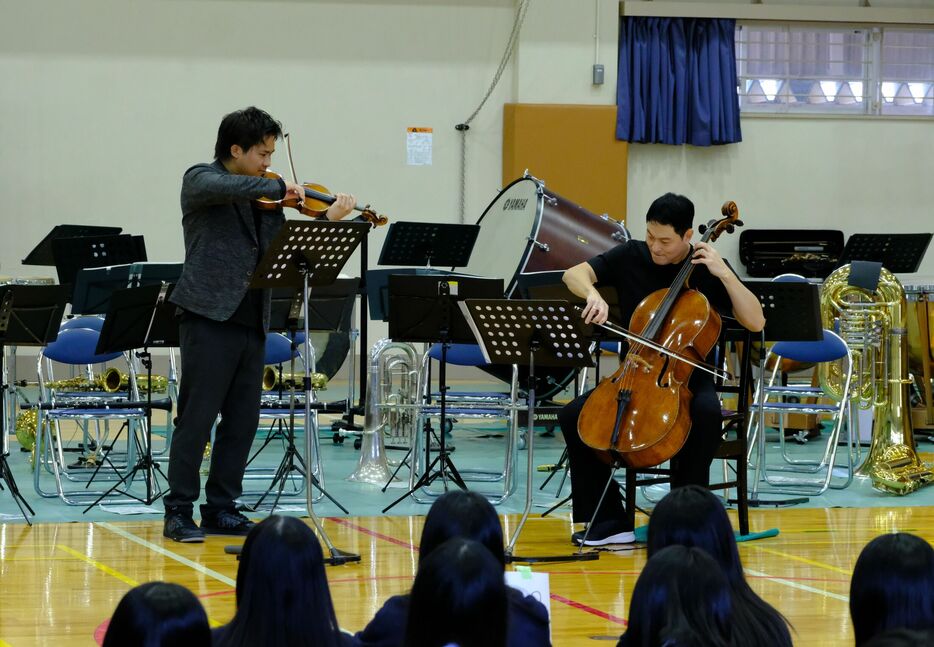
[(389, 362), (319, 381), (874, 326)]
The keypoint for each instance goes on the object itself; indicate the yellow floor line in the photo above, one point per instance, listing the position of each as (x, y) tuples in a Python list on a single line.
[(805, 560), (96, 564)]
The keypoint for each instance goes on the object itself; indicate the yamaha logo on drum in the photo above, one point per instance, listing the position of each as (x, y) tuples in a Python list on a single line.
[(515, 204)]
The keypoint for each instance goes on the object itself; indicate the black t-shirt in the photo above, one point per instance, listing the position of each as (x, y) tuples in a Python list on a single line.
[(629, 269)]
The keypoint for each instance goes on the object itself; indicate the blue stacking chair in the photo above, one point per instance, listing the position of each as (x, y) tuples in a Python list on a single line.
[(467, 405), (76, 346)]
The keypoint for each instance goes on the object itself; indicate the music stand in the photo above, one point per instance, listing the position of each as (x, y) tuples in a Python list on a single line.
[(329, 307), (899, 253), (792, 313), (421, 309), (73, 254), (305, 254), (41, 254), (428, 243), (93, 286), (29, 316), (139, 318), (533, 333)]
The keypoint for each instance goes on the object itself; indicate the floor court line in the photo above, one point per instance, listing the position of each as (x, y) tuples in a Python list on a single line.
[(167, 553), (805, 560), (798, 585), (98, 565)]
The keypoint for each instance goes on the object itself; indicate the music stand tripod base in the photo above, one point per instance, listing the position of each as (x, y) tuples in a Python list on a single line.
[(531, 333)]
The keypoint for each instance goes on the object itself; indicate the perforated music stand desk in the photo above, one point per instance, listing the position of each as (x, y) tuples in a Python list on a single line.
[(531, 333), (898, 253), (41, 254), (73, 254), (29, 316), (792, 310), (305, 254), (93, 286), (428, 243)]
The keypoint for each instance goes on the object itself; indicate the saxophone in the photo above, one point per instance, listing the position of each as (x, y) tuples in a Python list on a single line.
[(874, 326)]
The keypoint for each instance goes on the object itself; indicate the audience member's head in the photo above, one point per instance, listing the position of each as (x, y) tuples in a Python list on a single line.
[(462, 514), (158, 614), (693, 516), (892, 586), (681, 599), (282, 591), (901, 638), (459, 597)]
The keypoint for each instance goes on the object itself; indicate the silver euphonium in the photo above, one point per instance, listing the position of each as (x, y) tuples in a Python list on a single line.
[(391, 390)]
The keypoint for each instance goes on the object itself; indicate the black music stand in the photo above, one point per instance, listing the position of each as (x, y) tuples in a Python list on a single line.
[(93, 286), (899, 253), (41, 254), (792, 313), (428, 243), (305, 254), (329, 307), (421, 309), (73, 254), (29, 316), (140, 318), (533, 333)]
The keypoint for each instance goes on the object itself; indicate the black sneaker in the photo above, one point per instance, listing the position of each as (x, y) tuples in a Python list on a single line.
[(181, 527), (603, 533), (226, 522)]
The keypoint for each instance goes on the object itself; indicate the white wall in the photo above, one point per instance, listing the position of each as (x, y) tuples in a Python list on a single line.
[(104, 103)]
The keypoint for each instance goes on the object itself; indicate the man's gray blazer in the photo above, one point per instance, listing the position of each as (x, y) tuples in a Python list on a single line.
[(221, 241)]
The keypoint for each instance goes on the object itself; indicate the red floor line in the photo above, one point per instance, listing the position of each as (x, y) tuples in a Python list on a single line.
[(591, 610), (373, 533)]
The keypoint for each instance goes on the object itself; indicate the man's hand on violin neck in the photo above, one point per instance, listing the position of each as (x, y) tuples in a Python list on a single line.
[(343, 205)]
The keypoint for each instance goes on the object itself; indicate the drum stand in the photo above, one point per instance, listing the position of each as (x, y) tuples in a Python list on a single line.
[(550, 332), (305, 254), (29, 316)]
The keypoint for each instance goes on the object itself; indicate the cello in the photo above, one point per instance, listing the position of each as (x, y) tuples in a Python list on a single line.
[(640, 415)]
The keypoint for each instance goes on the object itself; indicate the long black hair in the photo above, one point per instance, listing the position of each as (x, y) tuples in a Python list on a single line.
[(892, 586), (693, 516), (681, 599), (459, 596), (158, 614), (462, 514), (282, 591)]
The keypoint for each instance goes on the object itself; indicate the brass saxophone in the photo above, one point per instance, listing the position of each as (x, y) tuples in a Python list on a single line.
[(874, 326)]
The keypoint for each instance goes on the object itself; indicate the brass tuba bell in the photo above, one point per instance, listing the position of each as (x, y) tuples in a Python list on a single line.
[(874, 326)]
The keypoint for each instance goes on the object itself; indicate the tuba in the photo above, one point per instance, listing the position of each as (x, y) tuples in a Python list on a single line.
[(387, 407), (874, 326)]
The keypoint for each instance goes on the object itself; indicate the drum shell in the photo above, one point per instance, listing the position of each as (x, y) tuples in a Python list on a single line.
[(557, 234)]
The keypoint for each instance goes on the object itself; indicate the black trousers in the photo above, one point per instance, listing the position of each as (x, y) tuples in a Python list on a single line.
[(691, 465), (222, 366)]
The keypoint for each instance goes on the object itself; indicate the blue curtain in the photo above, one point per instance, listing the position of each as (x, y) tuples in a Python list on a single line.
[(677, 81)]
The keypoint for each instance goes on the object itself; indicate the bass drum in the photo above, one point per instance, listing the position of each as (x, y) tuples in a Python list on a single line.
[(529, 230)]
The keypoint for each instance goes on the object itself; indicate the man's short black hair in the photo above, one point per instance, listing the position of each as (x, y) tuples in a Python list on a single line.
[(672, 209), (245, 128)]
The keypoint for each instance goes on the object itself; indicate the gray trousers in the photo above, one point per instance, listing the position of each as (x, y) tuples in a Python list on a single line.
[(222, 365)]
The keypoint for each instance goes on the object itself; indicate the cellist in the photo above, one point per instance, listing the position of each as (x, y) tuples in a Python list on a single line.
[(635, 269)]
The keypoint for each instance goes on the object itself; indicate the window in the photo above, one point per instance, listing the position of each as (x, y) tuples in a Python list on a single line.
[(836, 70)]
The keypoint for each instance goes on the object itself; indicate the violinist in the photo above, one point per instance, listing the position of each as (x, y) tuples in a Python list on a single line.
[(636, 269), (222, 322)]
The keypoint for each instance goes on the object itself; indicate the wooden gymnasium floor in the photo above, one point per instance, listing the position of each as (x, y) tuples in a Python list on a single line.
[(60, 582)]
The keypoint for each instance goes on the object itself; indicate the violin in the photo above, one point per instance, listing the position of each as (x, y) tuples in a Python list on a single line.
[(316, 202), (640, 415)]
